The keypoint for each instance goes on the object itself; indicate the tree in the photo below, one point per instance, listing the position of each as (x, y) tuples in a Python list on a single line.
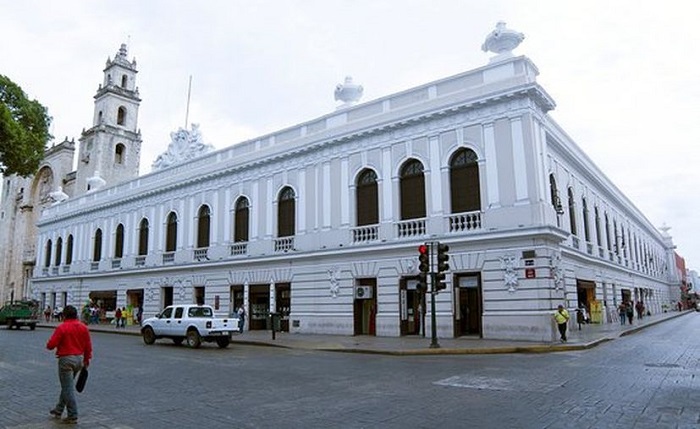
[(24, 130)]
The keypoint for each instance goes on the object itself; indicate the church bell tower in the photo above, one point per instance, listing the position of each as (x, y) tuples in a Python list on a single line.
[(110, 150)]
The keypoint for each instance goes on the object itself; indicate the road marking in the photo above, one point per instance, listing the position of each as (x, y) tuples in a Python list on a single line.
[(495, 383)]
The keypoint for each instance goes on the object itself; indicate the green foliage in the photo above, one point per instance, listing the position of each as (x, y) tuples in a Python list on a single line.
[(24, 130)]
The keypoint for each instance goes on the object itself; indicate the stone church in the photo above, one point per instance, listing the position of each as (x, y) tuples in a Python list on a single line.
[(320, 223)]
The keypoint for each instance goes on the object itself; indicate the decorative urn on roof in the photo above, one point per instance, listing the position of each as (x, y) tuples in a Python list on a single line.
[(502, 41), (348, 92)]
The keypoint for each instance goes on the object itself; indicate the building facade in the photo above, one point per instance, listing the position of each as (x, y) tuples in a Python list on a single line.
[(109, 153), (321, 222)]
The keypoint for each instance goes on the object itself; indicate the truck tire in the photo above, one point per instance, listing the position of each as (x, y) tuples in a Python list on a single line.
[(223, 342), (149, 337), (194, 340)]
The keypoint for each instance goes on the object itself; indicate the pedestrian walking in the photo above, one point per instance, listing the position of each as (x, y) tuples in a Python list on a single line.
[(71, 339), (47, 313), (622, 311), (241, 317), (118, 317), (630, 312), (561, 316), (640, 309)]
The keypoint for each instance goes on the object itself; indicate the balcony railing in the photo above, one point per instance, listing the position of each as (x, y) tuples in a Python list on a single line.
[(201, 254), (467, 221), (238, 249), (54, 271), (140, 261), (410, 228), (45, 271), (116, 263), (94, 266), (66, 268), (284, 244), (364, 234), (168, 257)]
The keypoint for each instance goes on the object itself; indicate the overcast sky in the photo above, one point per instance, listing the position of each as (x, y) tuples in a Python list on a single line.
[(624, 74)]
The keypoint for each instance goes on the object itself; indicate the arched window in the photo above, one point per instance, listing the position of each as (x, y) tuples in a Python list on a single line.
[(121, 115), (119, 242), (241, 220), (143, 237), (598, 235), (616, 237), (608, 239), (586, 229), (124, 81), (286, 222), (171, 233), (572, 211), (47, 256), (367, 198), (554, 194), (119, 153), (69, 250), (97, 247), (59, 251), (465, 190), (412, 190), (203, 226), (99, 117)]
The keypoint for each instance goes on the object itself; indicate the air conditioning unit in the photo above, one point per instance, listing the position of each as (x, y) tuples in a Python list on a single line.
[(363, 292)]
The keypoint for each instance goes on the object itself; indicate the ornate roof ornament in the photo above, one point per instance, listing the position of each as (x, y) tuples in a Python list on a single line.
[(348, 92), (58, 196), (502, 41), (120, 58), (184, 146), (95, 182)]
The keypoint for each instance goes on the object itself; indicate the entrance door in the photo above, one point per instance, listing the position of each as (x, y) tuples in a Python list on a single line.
[(469, 308), (364, 307), (410, 307), (259, 299), (167, 296)]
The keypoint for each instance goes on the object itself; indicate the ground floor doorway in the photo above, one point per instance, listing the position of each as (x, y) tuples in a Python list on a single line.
[(283, 303), (365, 307), (236, 300), (259, 302), (166, 296), (468, 305), (411, 307)]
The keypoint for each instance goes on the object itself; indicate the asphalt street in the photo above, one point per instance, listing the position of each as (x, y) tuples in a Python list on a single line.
[(645, 380)]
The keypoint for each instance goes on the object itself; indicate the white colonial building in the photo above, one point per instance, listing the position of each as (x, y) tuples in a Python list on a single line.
[(321, 222)]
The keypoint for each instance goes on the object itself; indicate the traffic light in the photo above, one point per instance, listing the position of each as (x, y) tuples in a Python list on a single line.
[(442, 266), (423, 267)]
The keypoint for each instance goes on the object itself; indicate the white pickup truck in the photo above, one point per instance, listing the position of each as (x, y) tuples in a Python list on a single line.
[(191, 323)]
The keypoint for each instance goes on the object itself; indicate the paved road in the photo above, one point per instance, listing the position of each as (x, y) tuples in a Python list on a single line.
[(646, 380)]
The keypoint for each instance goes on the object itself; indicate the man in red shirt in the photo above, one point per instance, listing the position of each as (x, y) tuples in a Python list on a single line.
[(71, 339)]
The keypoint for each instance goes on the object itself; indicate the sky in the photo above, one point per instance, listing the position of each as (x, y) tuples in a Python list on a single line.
[(624, 73)]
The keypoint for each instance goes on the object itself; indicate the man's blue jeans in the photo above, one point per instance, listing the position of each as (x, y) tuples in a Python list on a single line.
[(68, 367)]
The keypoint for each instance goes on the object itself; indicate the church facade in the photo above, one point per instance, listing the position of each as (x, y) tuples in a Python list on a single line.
[(320, 223)]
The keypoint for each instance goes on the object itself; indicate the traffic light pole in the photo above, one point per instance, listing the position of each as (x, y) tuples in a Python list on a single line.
[(433, 319)]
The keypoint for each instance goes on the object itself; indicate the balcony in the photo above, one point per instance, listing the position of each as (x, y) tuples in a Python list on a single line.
[(140, 261), (168, 257), (410, 228), (201, 254), (365, 234), (66, 268), (239, 249), (461, 222), (94, 266), (284, 244), (54, 271), (116, 263)]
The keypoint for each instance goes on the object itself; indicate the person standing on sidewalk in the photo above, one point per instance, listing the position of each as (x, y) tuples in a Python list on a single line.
[(118, 317), (630, 312), (561, 316), (71, 339), (622, 311)]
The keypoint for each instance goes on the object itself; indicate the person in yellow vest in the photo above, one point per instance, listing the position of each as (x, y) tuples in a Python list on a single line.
[(561, 316)]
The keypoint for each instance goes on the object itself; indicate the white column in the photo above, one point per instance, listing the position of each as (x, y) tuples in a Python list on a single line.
[(256, 206), (301, 200), (326, 200), (519, 160), (491, 167), (435, 176), (387, 213), (344, 193), (270, 207)]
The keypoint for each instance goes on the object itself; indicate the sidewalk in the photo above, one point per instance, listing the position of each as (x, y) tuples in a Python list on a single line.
[(589, 336)]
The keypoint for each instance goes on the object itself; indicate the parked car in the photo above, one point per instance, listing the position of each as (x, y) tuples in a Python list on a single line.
[(191, 323), (20, 313)]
